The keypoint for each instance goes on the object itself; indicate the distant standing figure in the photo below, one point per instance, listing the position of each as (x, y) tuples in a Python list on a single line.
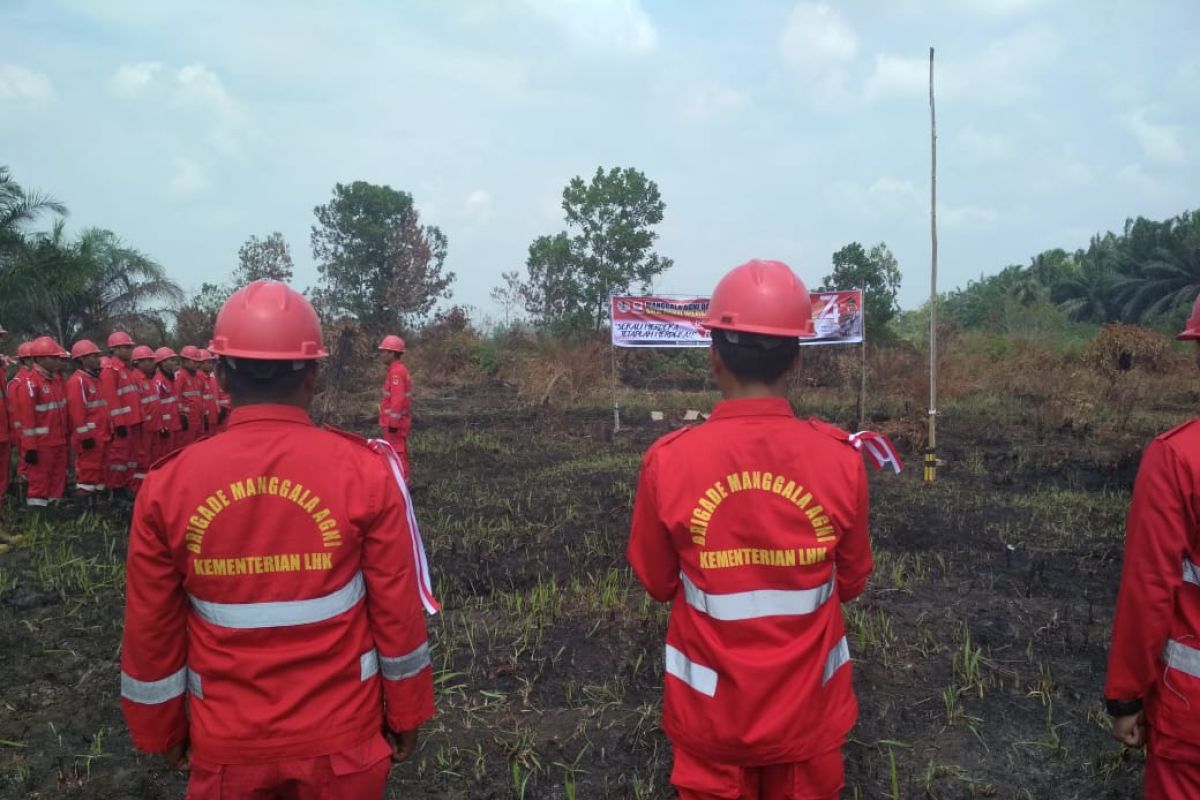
[(395, 406)]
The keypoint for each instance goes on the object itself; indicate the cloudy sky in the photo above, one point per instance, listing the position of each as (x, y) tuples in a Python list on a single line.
[(774, 129)]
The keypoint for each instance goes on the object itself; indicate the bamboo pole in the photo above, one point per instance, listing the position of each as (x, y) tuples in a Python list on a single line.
[(931, 451)]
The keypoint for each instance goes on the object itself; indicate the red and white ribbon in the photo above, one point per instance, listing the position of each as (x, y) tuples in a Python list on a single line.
[(424, 581), (879, 448)]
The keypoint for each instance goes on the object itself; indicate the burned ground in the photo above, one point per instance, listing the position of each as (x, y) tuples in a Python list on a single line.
[(979, 647)]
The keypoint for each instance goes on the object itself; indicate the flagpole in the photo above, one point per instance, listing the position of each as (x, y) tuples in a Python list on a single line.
[(931, 452)]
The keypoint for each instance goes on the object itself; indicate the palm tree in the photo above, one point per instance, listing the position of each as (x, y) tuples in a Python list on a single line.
[(1088, 292), (1169, 277), (18, 208), (86, 286)]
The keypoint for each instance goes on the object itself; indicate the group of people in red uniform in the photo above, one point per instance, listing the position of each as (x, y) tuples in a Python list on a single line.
[(274, 642), (111, 415)]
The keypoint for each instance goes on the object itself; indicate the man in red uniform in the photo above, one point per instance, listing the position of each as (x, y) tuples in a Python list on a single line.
[(40, 405), (753, 525), (167, 364), (273, 621), (151, 426), (395, 406), (15, 384), (87, 414), (206, 372), (6, 436), (190, 394), (124, 415), (1153, 686)]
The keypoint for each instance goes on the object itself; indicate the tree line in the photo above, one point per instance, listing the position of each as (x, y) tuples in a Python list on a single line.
[(1148, 274), (382, 266)]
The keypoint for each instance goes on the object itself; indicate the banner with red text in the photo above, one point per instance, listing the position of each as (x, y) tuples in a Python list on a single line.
[(675, 322)]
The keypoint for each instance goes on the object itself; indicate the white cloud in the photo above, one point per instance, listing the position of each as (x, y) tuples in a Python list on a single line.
[(1004, 72), (621, 25), (20, 84), (711, 102), (982, 145), (815, 37), (967, 216), (819, 46), (1135, 177), (898, 76), (479, 205), (131, 80), (198, 87), (1161, 143), (190, 178)]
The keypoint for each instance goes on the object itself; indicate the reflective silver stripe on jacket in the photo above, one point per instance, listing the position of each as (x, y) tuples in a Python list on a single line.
[(82, 429), (758, 602), (148, 399), (397, 414), (166, 416), (397, 668), (127, 389), (282, 613), (36, 431), (167, 399), (1191, 572), (116, 412), (838, 657), (701, 678), (195, 685), (368, 665), (95, 403), (51, 406), (191, 394), (152, 693), (1178, 655)]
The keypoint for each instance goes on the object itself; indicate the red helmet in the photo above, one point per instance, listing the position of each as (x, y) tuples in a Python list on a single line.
[(141, 352), (1192, 331), (393, 343), (763, 297), (270, 321), (162, 354), (46, 347), (23, 350), (191, 353), (119, 339), (206, 356), (84, 347)]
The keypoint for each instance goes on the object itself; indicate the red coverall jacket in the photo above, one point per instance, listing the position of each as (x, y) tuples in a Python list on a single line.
[(5, 421), (1155, 655), (118, 388), (277, 595), (396, 404), (87, 410), (754, 526), (168, 403), (149, 448), (41, 409), (191, 403)]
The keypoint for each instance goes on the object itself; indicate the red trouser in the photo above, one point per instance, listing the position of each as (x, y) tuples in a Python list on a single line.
[(140, 458), (1172, 768), (819, 778), (400, 442), (359, 773), (48, 477), (5, 458), (116, 460), (89, 467)]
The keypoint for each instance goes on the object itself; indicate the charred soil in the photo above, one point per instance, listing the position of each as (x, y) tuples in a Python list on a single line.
[(979, 647)]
